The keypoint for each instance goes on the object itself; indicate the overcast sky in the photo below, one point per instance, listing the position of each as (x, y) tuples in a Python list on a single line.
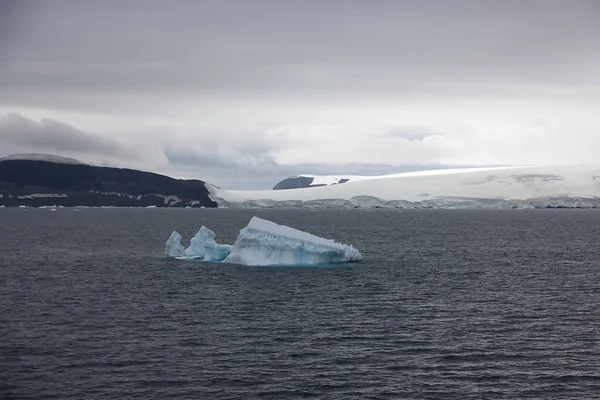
[(245, 93)]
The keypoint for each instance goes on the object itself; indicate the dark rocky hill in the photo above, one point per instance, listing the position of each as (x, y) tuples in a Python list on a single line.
[(295, 182), (300, 181), (41, 183)]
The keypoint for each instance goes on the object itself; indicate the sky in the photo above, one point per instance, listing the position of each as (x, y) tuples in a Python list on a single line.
[(245, 93)]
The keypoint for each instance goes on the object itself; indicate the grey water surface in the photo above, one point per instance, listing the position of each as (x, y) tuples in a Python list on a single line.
[(445, 304)]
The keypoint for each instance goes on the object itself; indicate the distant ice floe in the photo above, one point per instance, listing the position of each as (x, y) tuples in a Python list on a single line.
[(263, 243)]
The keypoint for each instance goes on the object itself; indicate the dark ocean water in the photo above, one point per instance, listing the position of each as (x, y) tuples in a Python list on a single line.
[(446, 304)]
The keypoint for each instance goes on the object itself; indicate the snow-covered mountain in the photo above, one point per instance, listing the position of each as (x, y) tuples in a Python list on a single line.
[(498, 187), (309, 180), (42, 157)]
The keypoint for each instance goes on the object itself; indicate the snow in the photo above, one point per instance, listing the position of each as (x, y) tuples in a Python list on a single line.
[(169, 200), (42, 157), (332, 179), (498, 187), (42, 196), (335, 179), (263, 243)]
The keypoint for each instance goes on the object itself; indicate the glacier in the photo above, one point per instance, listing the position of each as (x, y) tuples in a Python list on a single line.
[(263, 243), (556, 186)]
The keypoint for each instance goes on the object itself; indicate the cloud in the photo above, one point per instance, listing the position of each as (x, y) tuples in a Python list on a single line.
[(49, 136), (257, 158), (155, 52), (412, 133), (205, 146), (245, 92)]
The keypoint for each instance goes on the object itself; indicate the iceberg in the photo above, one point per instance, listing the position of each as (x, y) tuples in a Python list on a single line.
[(204, 246), (173, 247), (263, 243)]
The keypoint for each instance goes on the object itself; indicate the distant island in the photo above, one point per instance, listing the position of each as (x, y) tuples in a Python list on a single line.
[(38, 180)]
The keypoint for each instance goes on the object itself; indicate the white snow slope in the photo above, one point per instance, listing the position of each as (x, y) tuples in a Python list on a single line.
[(335, 179), (504, 187), (42, 157), (332, 179)]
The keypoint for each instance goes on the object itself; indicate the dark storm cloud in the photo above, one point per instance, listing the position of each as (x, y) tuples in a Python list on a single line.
[(118, 51), (50, 135)]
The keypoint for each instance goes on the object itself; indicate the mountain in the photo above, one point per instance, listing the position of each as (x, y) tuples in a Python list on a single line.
[(569, 186), (309, 180), (305, 180), (48, 181)]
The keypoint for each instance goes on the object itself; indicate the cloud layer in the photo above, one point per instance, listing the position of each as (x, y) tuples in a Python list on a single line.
[(236, 90), (51, 136)]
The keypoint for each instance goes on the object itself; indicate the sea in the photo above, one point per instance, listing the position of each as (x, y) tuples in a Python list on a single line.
[(447, 304)]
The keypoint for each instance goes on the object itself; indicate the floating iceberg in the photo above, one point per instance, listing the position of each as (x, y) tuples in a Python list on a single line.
[(173, 247), (263, 242), (204, 246)]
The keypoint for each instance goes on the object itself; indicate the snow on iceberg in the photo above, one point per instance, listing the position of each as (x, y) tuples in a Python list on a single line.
[(262, 243)]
